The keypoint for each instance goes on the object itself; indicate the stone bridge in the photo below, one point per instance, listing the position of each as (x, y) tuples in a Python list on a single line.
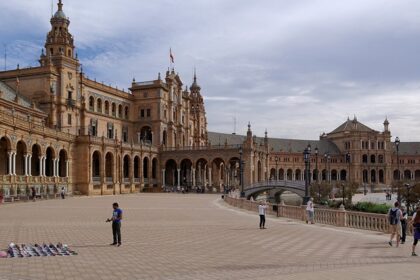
[(297, 187)]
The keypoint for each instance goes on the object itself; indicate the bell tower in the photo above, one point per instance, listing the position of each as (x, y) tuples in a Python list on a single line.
[(64, 98), (59, 41), (198, 113)]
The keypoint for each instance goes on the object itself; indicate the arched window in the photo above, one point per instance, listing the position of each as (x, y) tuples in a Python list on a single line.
[(372, 159), (114, 109), (91, 103), (99, 105), (120, 111), (364, 158), (126, 112), (106, 107)]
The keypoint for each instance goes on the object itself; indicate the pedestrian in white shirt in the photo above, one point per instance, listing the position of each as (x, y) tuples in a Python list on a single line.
[(262, 207), (310, 211)]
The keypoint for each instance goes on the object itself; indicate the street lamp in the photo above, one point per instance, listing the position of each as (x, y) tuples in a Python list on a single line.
[(397, 144), (344, 195), (276, 159), (241, 171), (407, 201), (327, 173), (306, 158), (316, 173), (316, 164)]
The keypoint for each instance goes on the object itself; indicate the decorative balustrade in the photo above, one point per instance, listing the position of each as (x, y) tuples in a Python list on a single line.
[(341, 217)]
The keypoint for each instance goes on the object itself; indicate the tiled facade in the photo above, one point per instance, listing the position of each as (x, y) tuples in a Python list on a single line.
[(60, 128)]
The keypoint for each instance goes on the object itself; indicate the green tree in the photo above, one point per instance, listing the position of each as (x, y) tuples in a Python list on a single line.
[(321, 191), (410, 194)]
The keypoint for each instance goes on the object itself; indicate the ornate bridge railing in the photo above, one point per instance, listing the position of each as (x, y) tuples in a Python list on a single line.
[(297, 187)]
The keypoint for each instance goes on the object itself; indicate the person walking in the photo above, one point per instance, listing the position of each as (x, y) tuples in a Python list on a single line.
[(262, 208), (63, 192), (416, 231), (33, 193), (395, 216), (116, 224), (404, 220), (310, 211)]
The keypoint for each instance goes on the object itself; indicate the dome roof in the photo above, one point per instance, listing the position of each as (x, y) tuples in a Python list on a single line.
[(60, 14)]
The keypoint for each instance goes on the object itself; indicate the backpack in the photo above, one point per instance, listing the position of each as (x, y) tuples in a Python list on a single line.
[(393, 219)]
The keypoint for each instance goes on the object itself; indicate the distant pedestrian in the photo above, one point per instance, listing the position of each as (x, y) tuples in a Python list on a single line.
[(404, 220), (262, 208), (63, 192), (116, 224), (416, 230), (310, 211), (395, 216), (33, 193)]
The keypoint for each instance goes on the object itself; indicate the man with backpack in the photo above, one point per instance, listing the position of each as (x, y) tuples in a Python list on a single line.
[(394, 217)]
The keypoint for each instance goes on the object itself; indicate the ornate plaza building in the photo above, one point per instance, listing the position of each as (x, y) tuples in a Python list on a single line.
[(58, 128)]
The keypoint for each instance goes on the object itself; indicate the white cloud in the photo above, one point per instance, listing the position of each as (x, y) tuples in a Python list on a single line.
[(297, 68)]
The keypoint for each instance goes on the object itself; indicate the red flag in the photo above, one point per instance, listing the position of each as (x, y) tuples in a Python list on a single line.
[(171, 57)]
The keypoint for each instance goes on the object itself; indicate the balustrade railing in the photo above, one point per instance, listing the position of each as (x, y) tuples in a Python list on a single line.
[(341, 217)]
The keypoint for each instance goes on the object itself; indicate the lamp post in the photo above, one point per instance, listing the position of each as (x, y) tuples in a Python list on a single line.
[(329, 168), (306, 158), (316, 173), (397, 144), (407, 201), (344, 195), (316, 164), (276, 159), (241, 172)]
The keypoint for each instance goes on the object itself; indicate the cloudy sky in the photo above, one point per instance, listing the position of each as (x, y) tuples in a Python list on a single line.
[(294, 67)]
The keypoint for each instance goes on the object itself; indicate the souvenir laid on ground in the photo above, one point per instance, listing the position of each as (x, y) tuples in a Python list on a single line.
[(29, 250)]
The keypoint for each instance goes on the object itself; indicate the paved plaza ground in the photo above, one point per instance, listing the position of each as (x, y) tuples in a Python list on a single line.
[(175, 236)]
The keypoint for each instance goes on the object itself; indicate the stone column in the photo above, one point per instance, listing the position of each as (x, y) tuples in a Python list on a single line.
[(58, 167), (44, 162), (30, 165), (163, 178), (210, 182), (10, 154), (67, 168), (41, 172), (54, 161), (193, 177), (179, 177), (13, 167), (26, 157)]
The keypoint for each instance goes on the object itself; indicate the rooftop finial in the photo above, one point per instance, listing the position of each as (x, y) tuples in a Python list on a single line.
[(60, 5), (195, 75), (249, 126)]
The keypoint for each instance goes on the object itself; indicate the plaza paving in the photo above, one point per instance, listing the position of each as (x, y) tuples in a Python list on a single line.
[(175, 236)]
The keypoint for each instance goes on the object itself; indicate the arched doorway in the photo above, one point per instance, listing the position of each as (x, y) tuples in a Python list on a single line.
[(365, 176), (20, 158), (96, 163), (126, 167), (407, 174), (202, 173), (233, 179), (273, 174), (217, 176), (146, 168), (334, 175), (154, 168), (281, 174), (4, 157), (186, 173), (136, 167), (49, 162), (343, 175), (381, 176), (373, 176), (171, 173), (62, 169), (35, 160), (109, 168), (298, 175), (289, 174)]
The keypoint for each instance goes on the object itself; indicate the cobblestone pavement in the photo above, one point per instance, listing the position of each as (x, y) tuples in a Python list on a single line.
[(175, 236)]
